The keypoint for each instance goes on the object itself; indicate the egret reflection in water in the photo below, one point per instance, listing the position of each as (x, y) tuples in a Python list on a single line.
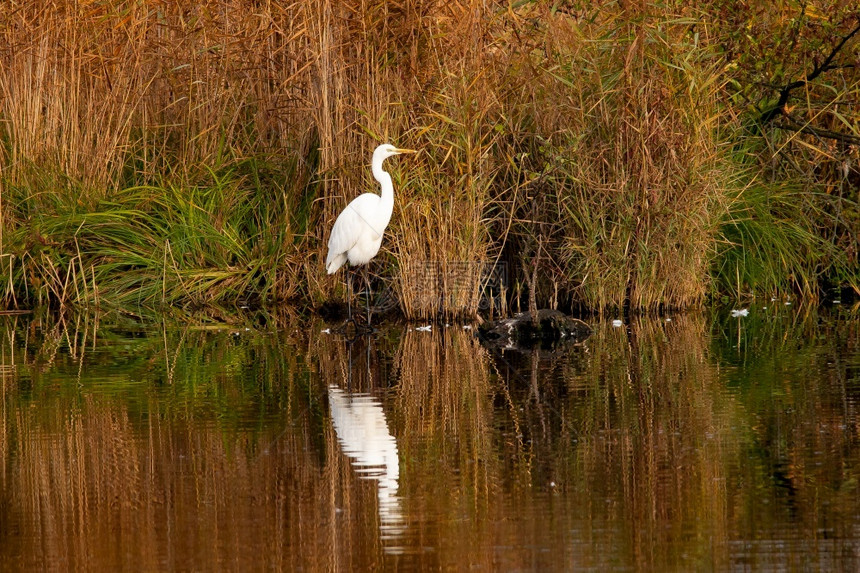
[(362, 431)]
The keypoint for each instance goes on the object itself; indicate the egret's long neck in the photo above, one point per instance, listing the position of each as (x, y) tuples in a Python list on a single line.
[(385, 182)]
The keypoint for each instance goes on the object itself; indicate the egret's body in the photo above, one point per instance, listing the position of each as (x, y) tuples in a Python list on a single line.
[(358, 230), (357, 233)]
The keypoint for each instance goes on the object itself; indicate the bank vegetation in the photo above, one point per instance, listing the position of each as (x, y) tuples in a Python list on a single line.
[(589, 156)]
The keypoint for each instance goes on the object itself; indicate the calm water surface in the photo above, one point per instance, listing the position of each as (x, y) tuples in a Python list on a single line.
[(702, 443)]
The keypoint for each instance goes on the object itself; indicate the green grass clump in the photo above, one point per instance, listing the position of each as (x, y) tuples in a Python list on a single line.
[(769, 246), (229, 237)]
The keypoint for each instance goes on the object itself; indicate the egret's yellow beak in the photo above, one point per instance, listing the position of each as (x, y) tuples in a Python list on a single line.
[(406, 150)]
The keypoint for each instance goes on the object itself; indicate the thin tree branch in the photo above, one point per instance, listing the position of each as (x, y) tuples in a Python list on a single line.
[(785, 92), (797, 126)]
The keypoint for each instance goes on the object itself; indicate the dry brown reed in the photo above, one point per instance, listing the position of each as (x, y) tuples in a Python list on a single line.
[(90, 90), (625, 194), (68, 94), (577, 146), (416, 73), (587, 150)]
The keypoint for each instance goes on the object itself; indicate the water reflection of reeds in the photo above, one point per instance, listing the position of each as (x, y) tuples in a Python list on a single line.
[(655, 446), (660, 440), (451, 467), (660, 462), (152, 473)]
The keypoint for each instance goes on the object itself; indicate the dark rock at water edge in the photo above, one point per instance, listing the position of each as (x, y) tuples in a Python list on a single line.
[(547, 329)]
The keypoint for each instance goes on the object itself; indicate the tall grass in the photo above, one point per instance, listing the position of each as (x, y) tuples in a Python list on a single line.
[(221, 242), (139, 164), (766, 248), (191, 155), (787, 235), (442, 236), (620, 199)]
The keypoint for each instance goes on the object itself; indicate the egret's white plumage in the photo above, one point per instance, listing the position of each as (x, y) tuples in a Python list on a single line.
[(357, 232)]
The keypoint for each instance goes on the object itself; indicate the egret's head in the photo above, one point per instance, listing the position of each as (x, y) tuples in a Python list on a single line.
[(387, 150)]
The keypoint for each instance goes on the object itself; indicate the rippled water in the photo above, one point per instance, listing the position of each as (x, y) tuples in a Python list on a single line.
[(708, 442)]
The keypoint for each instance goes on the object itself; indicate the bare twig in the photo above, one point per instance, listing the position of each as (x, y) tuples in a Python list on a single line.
[(797, 126), (826, 65)]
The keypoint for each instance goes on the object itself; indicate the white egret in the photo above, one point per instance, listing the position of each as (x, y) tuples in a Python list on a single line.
[(357, 233)]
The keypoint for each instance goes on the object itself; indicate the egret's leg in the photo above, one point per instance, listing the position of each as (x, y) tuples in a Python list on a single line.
[(348, 294), (367, 291)]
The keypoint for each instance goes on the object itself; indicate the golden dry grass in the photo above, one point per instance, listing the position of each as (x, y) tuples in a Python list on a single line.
[(586, 149)]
